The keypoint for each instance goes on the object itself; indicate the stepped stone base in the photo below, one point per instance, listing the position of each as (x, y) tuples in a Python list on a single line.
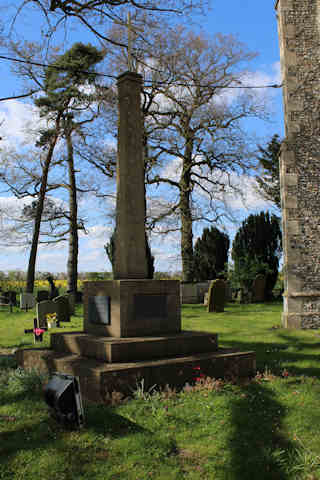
[(119, 349), (98, 380)]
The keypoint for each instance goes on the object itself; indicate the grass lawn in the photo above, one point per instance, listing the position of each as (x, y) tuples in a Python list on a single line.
[(266, 428)]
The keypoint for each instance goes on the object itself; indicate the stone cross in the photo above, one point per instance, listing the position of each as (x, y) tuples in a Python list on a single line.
[(131, 31), (37, 331), (130, 246)]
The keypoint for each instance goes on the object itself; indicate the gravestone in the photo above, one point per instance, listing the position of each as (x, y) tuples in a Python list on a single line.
[(216, 296), (12, 297), (299, 39), (54, 291), (258, 288), (63, 308), (202, 288), (27, 300), (78, 296), (205, 299), (42, 295), (42, 309), (228, 291)]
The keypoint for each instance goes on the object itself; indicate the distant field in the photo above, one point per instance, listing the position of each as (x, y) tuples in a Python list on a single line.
[(20, 285)]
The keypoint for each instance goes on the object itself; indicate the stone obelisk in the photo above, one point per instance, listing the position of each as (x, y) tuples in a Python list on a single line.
[(130, 245), (131, 305), (299, 38)]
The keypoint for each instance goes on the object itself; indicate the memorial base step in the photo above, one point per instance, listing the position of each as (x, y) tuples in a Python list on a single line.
[(100, 380), (118, 349)]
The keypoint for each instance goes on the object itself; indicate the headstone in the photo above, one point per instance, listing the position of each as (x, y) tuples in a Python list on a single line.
[(205, 299), (27, 301), (216, 296), (202, 288), (258, 288), (63, 308), (42, 309), (12, 297), (54, 291), (42, 295), (79, 297), (228, 292)]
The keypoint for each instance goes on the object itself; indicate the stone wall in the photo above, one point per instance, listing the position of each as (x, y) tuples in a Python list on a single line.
[(299, 39), (193, 292)]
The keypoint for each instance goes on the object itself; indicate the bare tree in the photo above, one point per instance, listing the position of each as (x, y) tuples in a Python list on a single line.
[(99, 15), (194, 119)]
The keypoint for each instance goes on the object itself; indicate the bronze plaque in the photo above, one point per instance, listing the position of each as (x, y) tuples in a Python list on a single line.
[(150, 306), (99, 310)]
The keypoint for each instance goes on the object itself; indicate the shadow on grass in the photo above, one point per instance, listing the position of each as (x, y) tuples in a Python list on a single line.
[(103, 420), (277, 356), (259, 450), (45, 435)]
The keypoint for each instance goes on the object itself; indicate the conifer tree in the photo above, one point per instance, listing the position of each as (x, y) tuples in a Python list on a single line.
[(269, 181), (62, 101), (210, 254), (257, 248)]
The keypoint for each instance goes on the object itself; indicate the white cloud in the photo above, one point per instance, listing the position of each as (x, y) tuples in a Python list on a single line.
[(97, 237), (256, 78), (173, 169), (19, 122)]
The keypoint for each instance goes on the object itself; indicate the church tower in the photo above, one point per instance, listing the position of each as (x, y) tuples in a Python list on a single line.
[(299, 39)]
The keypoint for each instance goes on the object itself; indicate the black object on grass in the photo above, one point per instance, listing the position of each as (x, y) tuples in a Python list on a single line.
[(62, 394)]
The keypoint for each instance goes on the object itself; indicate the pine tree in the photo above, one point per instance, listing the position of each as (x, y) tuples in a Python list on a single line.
[(257, 248), (210, 254), (63, 83)]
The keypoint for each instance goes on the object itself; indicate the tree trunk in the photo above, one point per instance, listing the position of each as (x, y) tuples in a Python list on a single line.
[(186, 217), (38, 216), (72, 267)]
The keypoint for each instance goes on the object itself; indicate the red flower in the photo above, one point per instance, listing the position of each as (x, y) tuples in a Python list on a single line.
[(38, 331)]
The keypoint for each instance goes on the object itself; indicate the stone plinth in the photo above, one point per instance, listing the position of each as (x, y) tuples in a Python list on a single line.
[(133, 307)]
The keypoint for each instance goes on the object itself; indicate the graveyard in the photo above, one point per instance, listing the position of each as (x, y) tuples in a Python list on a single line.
[(179, 379), (203, 430)]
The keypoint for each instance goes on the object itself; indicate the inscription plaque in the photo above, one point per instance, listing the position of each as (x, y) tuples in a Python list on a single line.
[(99, 310), (150, 306)]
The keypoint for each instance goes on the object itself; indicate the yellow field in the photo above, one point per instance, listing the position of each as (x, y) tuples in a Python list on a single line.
[(20, 285)]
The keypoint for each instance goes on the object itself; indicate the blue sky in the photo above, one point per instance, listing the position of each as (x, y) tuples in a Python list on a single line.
[(253, 23)]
